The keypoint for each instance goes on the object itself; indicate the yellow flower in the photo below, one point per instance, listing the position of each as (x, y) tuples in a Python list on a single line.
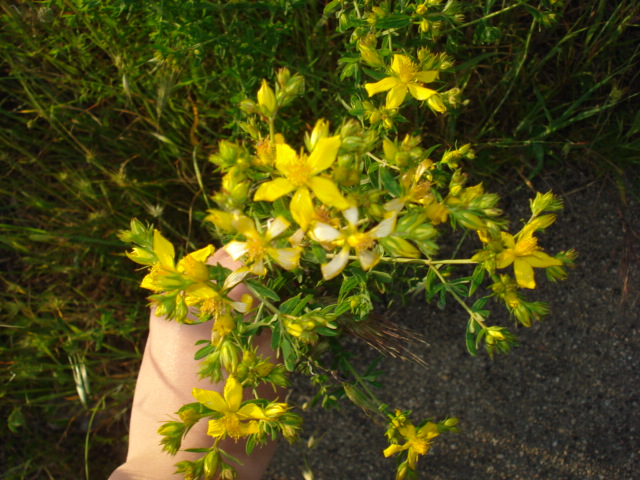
[(417, 190), (211, 298), (418, 441), (524, 253), (258, 246), (350, 237), (193, 266), (405, 76), (236, 420), (300, 173)]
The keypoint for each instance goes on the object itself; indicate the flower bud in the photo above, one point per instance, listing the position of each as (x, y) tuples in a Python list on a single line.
[(267, 100), (142, 256), (273, 411), (294, 87), (171, 429), (249, 107), (399, 247), (282, 76), (435, 103), (321, 130), (210, 465), (189, 416), (229, 356)]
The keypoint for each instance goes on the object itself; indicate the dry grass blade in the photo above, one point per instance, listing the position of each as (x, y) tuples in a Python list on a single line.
[(389, 338)]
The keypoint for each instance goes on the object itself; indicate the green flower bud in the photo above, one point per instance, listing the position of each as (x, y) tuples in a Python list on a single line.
[(210, 465), (267, 100)]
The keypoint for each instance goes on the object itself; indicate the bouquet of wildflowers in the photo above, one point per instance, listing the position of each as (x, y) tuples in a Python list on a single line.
[(323, 224)]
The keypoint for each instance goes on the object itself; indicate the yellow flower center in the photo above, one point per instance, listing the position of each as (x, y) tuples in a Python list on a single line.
[(406, 70), (298, 172), (418, 445), (526, 246), (420, 190), (231, 424), (256, 249), (212, 306), (361, 241)]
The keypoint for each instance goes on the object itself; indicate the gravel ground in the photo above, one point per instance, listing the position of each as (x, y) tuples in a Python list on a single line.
[(564, 405)]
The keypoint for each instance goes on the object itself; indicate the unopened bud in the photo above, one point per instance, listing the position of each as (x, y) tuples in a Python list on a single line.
[(210, 465), (267, 100)]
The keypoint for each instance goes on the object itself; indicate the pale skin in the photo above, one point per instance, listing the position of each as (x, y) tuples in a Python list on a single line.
[(167, 376)]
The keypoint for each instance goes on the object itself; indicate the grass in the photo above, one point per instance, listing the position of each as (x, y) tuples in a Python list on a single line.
[(108, 111)]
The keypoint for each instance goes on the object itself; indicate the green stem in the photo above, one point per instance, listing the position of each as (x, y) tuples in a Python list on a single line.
[(272, 130), (476, 318), (417, 261), (365, 387)]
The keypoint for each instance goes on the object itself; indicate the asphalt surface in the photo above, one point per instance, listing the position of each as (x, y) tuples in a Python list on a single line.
[(564, 405)]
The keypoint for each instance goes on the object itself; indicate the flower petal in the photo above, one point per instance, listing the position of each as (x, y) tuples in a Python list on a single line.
[(324, 233), (216, 428), (336, 265), (351, 214), (505, 258), (324, 154), (248, 428), (368, 259), (210, 399), (233, 394), (164, 250), (540, 259), (236, 249), (258, 268), (328, 193), (381, 86), (203, 254), (524, 273), (287, 258), (301, 208), (426, 76), (396, 95), (391, 449), (395, 205), (276, 227), (273, 189), (285, 156), (253, 411), (244, 225), (235, 278), (420, 93), (385, 227)]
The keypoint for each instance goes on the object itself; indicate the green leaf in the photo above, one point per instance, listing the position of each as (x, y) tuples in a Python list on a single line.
[(327, 332), (348, 285), (470, 338), (289, 305), (15, 420), (288, 354), (275, 336), (294, 305), (476, 279), (204, 351), (388, 182), (342, 308), (331, 6), (259, 290)]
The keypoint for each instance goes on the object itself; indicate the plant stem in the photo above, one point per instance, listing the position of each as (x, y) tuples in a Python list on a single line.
[(417, 261), (476, 318)]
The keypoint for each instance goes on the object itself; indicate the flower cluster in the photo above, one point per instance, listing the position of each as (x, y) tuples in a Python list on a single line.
[(324, 226)]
